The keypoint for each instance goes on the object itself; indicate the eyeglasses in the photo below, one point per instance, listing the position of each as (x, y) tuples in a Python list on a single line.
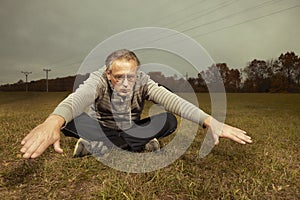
[(121, 78)]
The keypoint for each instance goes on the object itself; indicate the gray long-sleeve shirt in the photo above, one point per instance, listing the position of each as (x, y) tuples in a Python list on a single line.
[(95, 94)]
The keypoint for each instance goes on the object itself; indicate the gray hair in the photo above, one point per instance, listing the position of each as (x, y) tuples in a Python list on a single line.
[(120, 54)]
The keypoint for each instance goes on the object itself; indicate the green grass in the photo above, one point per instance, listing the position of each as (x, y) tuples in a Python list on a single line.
[(266, 169)]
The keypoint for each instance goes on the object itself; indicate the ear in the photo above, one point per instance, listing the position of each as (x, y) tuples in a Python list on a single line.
[(108, 74)]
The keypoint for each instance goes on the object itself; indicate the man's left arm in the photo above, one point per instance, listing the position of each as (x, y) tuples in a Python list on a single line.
[(177, 105)]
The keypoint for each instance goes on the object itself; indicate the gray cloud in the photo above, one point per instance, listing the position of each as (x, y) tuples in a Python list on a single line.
[(58, 34)]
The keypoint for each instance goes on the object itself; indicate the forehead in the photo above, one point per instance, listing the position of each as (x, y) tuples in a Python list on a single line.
[(123, 66)]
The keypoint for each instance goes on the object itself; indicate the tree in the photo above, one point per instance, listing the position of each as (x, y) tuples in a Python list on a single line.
[(200, 84), (220, 73), (258, 76), (297, 72), (233, 80), (288, 66), (20, 81)]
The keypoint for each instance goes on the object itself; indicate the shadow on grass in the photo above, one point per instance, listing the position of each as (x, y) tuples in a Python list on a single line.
[(21, 173)]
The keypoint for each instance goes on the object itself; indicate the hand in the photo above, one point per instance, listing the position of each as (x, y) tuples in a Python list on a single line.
[(219, 129), (42, 136)]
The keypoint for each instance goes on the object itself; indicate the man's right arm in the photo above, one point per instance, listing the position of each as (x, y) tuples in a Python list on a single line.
[(84, 96), (47, 133)]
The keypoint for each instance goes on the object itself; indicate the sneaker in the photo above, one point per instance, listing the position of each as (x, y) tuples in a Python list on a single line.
[(152, 145), (81, 148), (84, 148)]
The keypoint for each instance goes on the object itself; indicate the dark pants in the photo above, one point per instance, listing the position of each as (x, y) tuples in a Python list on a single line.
[(133, 139)]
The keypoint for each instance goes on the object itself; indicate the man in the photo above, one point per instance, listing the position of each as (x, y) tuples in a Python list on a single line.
[(114, 96)]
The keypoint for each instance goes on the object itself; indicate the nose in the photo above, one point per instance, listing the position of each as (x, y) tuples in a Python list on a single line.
[(125, 82)]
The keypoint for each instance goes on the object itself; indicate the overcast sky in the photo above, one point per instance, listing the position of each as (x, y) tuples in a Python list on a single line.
[(59, 34)]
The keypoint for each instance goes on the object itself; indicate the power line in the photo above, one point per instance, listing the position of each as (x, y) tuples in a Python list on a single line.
[(246, 21), (214, 21), (195, 27), (78, 62), (230, 15), (173, 13), (249, 20), (219, 6), (209, 11), (180, 10)]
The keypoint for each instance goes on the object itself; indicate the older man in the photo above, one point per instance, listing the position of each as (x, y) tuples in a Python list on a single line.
[(106, 109)]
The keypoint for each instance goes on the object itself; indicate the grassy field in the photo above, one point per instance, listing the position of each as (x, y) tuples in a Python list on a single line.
[(266, 169)]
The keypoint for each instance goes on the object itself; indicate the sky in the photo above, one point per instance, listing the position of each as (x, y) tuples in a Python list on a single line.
[(59, 35)]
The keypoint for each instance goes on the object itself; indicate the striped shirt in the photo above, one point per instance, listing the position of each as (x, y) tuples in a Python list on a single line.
[(97, 97)]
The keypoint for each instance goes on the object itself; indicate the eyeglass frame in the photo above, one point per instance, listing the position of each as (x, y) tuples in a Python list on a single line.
[(122, 77)]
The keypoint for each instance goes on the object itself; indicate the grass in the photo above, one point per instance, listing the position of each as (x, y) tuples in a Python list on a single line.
[(267, 169)]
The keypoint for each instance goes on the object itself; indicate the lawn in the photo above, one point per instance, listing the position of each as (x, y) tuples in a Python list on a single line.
[(266, 169)]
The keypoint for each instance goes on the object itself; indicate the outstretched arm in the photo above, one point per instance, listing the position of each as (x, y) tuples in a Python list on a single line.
[(219, 129), (42, 136), (47, 133), (179, 106)]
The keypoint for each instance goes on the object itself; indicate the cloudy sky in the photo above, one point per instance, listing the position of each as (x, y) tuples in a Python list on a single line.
[(56, 34)]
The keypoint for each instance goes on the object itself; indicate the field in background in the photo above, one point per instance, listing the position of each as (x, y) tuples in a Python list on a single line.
[(267, 169)]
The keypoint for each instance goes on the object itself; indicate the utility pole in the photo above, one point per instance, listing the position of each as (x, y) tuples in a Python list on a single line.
[(47, 70), (26, 74)]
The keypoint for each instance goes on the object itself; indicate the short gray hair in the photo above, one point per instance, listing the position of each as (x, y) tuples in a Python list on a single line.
[(121, 54)]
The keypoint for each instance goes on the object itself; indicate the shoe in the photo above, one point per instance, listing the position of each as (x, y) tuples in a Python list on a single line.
[(81, 148), (84, 148), (152, 145)]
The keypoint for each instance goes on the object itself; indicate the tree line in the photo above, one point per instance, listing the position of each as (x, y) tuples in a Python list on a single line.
[(54, 85), (276, 75)]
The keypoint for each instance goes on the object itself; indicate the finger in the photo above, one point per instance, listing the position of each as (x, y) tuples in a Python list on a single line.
[(242, 138), (245, 138), (237, 129), (30, 135), (28, 143), (217, 141), (237, 135), (25, 139), (57, 148), (38, 151), (241, 135), (237, 139), (31, 149)]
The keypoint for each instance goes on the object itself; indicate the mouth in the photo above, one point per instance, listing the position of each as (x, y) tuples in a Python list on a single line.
[(124, 90)]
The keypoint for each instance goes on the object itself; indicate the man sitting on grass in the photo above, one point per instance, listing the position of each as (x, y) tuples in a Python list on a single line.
[(115, 96)]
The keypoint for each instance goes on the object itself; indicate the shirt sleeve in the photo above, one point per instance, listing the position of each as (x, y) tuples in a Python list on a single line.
[(175, 104), (84, 96)]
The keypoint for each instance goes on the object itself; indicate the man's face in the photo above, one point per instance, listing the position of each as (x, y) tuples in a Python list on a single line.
[(123, 76)]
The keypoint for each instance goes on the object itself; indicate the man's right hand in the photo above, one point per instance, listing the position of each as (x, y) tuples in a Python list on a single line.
[(42, 136)]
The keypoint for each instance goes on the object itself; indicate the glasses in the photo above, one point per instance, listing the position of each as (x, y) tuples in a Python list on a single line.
[(121, 78)]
